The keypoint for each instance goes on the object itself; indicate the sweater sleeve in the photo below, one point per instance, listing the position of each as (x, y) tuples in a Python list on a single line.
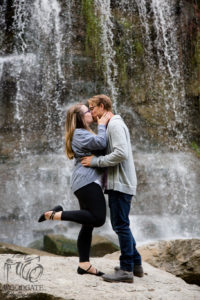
[(119, 142), (89, 141)]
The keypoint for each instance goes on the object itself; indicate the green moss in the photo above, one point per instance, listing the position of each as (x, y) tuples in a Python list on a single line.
[(122, 65), (93, 31), (125, 23), (129, 50), (139, 48), (196, 148), (197, 51)]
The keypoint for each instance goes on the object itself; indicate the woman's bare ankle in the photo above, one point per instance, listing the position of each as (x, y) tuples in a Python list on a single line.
[(57, 215), (84, 265)]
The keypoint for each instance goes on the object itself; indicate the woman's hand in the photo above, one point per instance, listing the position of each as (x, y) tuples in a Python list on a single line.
[(104, 119)]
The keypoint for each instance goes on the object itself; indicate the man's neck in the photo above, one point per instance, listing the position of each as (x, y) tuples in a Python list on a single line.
[(105, 111)]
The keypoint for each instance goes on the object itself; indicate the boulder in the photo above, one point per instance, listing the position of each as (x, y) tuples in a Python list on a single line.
[(179, 257), (38, 244), (6, 248), (60, 245), (102, 246)]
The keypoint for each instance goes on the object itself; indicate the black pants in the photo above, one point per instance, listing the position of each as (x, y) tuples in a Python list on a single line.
[(92, 214)]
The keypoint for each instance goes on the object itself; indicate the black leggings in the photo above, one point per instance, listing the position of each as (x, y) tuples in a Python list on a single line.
[(92, 214)]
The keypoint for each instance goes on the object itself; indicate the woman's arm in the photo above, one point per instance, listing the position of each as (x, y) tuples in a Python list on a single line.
[(86, 140)]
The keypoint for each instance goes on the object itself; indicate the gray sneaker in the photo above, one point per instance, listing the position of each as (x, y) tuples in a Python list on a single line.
[(138, 270), (119, 276)]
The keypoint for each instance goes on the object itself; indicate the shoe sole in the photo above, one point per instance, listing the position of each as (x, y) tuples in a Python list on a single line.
[(138, 275), (123, 280)]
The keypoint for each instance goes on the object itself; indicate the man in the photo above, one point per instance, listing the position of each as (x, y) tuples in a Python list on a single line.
[(121, 184)]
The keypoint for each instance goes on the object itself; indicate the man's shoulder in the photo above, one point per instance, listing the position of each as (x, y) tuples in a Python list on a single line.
[(116, 121)]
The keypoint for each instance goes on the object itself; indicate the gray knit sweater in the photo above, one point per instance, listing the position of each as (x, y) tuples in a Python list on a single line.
[(119, 159), (85, 143)]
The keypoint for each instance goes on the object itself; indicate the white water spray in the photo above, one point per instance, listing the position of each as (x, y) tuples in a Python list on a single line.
[(166, 45), (103, 8)]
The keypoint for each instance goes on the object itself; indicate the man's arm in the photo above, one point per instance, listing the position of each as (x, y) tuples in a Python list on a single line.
[(119, 153)]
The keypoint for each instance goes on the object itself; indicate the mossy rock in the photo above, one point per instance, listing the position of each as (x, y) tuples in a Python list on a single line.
[(38, 244), (102, 246), (60, 245)]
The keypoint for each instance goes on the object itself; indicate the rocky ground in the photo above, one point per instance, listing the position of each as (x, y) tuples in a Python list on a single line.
[(54, 277), (179, 257)]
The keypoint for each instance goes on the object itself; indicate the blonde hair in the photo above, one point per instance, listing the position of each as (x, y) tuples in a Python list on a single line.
[(105, 100), (74, 119)]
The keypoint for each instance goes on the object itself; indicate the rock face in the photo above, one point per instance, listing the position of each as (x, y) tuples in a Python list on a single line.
[(59, 280), (179, 257), (137, 81)]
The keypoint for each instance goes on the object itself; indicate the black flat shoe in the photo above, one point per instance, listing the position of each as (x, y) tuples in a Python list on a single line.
[(82, 271), (54, 210)]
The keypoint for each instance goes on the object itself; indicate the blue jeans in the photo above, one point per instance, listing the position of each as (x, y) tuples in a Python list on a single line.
[(120, 204)]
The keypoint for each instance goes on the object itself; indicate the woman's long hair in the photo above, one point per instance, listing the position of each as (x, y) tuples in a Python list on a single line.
[(74, 119)]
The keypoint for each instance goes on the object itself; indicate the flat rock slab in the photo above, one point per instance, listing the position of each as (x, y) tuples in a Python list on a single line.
[(47, 277)]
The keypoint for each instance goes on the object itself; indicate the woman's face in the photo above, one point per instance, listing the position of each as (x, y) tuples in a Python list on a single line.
[(87, 115)]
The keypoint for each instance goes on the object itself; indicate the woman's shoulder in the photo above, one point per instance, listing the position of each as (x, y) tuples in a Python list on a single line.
[(80, 133)]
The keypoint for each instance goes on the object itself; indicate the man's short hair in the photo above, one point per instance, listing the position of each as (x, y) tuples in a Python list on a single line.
[(98, 99)]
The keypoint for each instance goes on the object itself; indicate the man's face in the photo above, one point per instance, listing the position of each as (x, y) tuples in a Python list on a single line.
[(96, 111)]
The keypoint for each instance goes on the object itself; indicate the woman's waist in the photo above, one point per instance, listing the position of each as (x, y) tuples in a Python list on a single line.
[(80, 169)]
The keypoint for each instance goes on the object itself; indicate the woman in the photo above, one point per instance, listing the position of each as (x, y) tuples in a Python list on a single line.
[(86, 182)]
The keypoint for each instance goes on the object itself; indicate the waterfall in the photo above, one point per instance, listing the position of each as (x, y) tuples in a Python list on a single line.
[(37, 66), (44, 68), (40, 67), (165, 45), (103, 8)]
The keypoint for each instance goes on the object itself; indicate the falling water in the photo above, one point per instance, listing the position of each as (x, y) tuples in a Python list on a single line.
[(108, 54), (40, 66), (40, 70), (166, 46), (37, 68)]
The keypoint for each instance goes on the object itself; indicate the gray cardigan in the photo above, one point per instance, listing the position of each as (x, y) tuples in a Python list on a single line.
[(85, 143), (119, 159)]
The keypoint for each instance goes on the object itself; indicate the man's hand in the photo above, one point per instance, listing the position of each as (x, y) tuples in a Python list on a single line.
[(86, 160)]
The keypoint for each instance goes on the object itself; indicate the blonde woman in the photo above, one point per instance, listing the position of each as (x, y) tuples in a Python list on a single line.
[(85, 183)]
